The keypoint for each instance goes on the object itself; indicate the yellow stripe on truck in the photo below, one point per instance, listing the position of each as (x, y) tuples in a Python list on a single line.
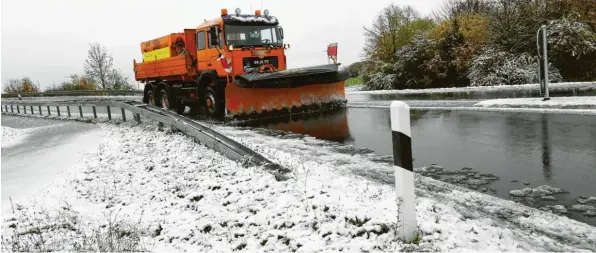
[(158, 54)]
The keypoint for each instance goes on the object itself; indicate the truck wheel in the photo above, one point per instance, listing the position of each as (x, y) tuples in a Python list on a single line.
[(164, 99), (210, 102), (149, 97)]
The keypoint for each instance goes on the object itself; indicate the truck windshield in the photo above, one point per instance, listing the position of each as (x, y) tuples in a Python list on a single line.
[(252, 35)]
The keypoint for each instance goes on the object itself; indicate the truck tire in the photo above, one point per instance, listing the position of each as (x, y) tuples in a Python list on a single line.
[(165, 100), (149, 97), (211, 102)]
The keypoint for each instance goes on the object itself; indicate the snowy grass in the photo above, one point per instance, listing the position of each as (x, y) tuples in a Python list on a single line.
[(584, 102), (40, 229), (552, 86)]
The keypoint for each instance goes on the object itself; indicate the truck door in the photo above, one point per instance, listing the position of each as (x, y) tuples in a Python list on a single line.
[(202, 50), (213, 51)]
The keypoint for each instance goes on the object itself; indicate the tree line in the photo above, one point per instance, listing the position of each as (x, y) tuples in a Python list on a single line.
[(99, 74), (478, 43)]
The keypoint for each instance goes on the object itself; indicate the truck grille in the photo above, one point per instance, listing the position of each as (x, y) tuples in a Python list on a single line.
[(250, 63)]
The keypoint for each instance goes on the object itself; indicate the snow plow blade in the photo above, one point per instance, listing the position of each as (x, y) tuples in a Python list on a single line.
[(280, 93)]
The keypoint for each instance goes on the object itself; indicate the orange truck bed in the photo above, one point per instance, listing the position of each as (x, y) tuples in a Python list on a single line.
[(160, 59)]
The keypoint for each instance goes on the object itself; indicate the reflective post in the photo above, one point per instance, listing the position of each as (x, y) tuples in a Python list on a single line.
[(94, 112), (123, 114), (40, 110), (81, 111), (404, 170), (109, 113)]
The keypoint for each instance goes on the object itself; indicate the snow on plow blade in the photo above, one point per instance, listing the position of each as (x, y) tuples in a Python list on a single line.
[(303, 90)]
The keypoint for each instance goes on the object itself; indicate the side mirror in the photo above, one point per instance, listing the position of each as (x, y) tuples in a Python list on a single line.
[(213, 35), (281, 33)]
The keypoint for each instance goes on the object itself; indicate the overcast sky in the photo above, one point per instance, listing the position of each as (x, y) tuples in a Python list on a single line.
[(48, 39)]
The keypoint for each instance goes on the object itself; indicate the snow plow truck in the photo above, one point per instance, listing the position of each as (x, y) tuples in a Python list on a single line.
[(234, 68)]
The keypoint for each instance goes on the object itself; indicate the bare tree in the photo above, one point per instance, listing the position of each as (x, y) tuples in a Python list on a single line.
[(118, 81), (99, 64)]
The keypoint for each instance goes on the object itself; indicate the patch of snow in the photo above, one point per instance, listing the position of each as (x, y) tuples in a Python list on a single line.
[(582, 208), (270, 20), (581, 102), (584, 200), (12, 136), (540, 191), (354, 87), (555, 209), (535, 86)]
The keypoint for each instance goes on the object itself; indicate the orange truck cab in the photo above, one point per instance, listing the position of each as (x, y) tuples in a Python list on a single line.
[(235, 67)]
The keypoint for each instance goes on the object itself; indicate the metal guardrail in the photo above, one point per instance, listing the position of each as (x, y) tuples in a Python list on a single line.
[(77, 93), (200, 132)]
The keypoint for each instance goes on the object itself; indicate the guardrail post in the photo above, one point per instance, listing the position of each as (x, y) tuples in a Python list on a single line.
[(81, 111), (39, 109), (137, 118), (32, 112), (68, 110), (25, 109), (123, 114), (6, 108), (49, 112), (58, 110), (94, 112), (109, 113), (18, 109), (404, 175), (11, 109)]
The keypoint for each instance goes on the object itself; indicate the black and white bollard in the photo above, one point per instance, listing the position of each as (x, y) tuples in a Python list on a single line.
[(404, 171)]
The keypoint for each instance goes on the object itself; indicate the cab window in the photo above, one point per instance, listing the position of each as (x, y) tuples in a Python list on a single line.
[(220, 35), (201, 40)]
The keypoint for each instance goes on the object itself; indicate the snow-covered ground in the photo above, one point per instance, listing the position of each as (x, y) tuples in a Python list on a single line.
[(12, 136), (584, 102), (552, 86), (161, 191)]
